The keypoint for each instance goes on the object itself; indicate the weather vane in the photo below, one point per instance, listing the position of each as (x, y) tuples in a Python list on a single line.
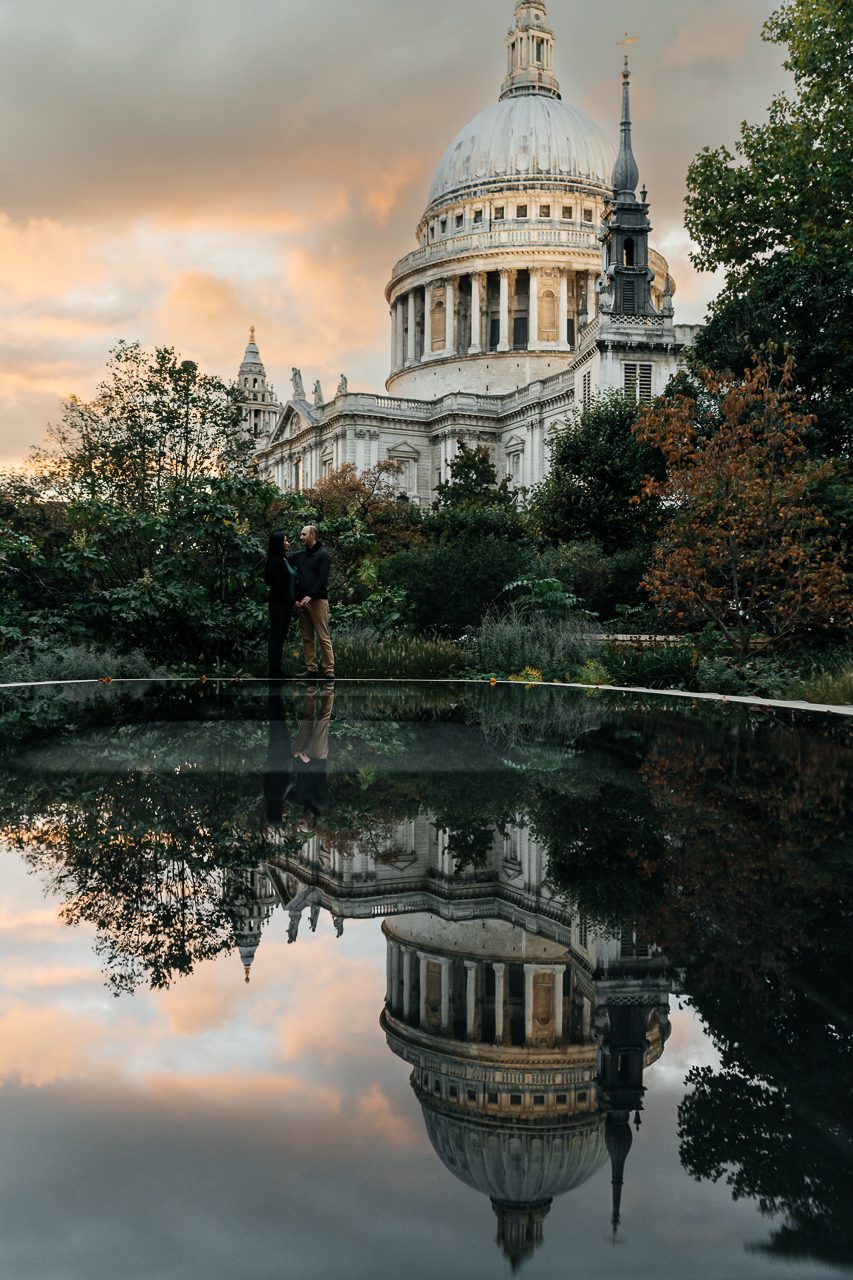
[(628, 40)]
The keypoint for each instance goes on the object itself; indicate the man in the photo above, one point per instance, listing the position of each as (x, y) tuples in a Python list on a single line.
[(312, 603)]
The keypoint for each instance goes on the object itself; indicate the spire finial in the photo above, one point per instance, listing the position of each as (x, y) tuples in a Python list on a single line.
[(251, 333), (626, 175), (246, 972)]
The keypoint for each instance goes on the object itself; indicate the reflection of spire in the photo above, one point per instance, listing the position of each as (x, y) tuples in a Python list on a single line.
[(618, 1140), (251, 899)]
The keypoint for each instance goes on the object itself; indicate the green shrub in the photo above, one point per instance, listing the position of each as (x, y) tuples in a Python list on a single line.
[(668, 667), (36, 661), (511, 641), (603, 582), (449, 587)]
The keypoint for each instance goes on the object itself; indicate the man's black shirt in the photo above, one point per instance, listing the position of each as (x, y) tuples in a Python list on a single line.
[(313, 565)]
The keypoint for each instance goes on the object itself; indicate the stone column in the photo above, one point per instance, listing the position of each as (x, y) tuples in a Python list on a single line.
[(500, 975), (529, 971), (394, 977), (559, 970), (445, 994), (450, 313), (471, 998), (407, 984), (393, 336), (427, 322), (563, 312), (401, 355), (503, 338), (476, 339), (410, 351), (533, 311), (422, 959)]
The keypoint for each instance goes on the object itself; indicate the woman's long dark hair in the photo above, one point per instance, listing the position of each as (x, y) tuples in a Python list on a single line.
[(275, 551)]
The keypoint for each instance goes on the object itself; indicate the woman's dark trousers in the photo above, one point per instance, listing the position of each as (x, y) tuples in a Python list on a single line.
[(279, 622)]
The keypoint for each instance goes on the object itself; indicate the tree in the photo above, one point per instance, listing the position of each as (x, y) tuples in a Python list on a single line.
[(473, 482), (153, 422), (777, 215), (746, 547), (597, 468)]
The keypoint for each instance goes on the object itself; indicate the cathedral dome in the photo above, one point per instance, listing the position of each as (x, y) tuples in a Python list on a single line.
[(533, 137), (516, 1162)]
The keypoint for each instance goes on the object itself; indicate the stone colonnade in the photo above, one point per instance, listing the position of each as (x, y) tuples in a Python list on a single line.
[(485, 1001), (512, 308)]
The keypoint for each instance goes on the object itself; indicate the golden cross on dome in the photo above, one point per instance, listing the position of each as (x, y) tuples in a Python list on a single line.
[(251, 333)]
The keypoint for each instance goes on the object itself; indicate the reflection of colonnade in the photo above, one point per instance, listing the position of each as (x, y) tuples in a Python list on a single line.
[(526, 1061)]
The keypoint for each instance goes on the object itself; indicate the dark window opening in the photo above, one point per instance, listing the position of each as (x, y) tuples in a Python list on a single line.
[(499, 213), (567, 212), (629, 253), (521, 211), (544, 211), (587, 215)]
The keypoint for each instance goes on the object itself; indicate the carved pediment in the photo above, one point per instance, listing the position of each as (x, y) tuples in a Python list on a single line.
[(403, 452), (514, 444)]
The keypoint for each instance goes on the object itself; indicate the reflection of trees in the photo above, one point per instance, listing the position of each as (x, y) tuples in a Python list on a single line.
[(144, 854), (758, 886)]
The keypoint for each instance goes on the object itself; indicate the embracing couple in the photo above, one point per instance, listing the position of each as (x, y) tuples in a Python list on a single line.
[(299, 582)]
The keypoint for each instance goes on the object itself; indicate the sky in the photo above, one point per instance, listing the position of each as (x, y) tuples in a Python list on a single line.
[(175, 173)]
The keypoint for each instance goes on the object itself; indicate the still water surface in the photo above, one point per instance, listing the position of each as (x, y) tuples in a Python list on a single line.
[(450, 981)]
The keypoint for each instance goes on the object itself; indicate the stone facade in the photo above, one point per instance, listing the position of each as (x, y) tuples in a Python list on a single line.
[(533, 288)]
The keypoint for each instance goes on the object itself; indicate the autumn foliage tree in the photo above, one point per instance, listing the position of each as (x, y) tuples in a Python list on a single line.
[(746, 547)]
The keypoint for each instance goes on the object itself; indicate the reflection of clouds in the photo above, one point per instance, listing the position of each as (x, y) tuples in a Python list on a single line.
[(41, 1046), (377, 1112)]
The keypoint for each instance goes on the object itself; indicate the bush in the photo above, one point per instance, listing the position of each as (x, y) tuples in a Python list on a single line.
[(602, 582), (448, 588), (37, 661), (518, 639), (671, 667)]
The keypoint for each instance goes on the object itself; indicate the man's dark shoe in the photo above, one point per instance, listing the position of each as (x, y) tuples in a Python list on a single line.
[(328, 675), (307, 675)]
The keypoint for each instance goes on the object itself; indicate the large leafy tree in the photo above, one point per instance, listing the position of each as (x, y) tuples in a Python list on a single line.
[(154, 421), (597, 468), (745, 547), (777, 215)]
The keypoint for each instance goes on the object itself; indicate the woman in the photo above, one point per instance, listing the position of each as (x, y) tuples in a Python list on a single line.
[(280, 577)]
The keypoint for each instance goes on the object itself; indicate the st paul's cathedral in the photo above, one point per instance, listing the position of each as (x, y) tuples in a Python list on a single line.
[(533, 287)]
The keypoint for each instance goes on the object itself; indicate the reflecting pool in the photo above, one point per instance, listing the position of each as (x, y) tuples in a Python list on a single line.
[(450, 979)]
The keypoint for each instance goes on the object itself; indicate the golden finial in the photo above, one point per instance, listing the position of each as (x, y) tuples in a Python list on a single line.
[(628, 40), (246, 971), (251, 333)]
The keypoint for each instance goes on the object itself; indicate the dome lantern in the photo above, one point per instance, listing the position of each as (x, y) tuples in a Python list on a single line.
[(530, 53)]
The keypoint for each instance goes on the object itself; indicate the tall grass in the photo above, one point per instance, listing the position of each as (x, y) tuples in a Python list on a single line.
[(367, 654), (517, 640)]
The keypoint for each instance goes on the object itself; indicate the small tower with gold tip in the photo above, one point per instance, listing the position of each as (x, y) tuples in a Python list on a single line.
[(260, 403)]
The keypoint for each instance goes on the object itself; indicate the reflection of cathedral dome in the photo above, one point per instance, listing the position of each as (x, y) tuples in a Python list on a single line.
[(520, 1163), (533, 138)]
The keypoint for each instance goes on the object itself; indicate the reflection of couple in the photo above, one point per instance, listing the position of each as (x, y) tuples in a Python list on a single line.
[(299, 582), (296, 772)]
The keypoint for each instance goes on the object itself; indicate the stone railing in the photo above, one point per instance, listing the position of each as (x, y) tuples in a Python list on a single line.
[(469, 243)]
